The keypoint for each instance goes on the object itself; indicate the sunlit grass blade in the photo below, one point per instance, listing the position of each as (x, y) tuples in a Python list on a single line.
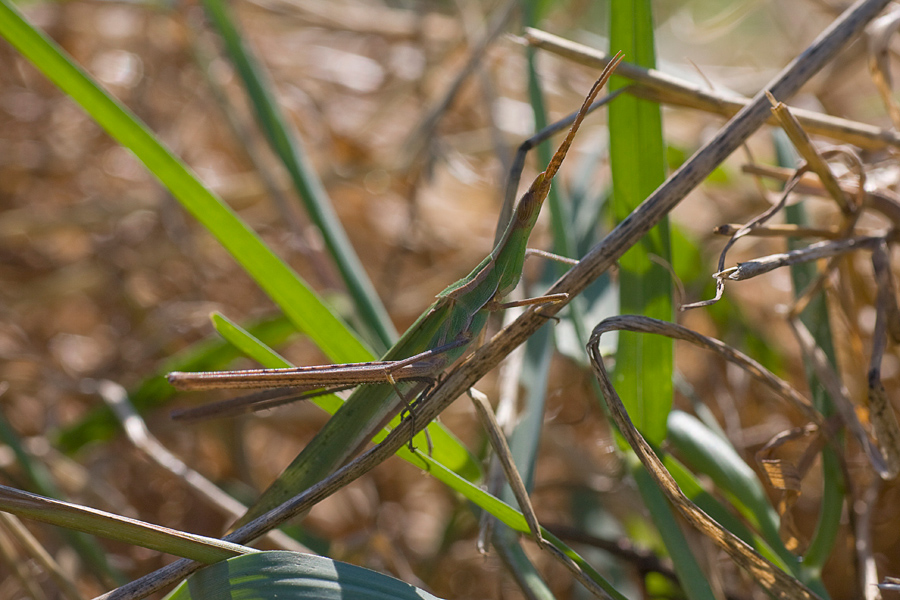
[(643, 373), (644, 364), (310, 189), (291, 294)]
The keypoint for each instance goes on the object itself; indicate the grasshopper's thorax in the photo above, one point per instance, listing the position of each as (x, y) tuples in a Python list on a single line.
[(510, 250)]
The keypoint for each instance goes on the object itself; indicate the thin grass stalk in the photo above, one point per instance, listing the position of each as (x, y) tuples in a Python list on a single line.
[(309, 187)]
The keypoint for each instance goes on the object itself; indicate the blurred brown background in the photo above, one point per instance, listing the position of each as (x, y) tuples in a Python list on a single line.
[(104, 276)]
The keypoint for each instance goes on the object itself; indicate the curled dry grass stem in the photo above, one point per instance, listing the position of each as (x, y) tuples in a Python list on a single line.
[(769, 577), (742, 231), (816, 162)]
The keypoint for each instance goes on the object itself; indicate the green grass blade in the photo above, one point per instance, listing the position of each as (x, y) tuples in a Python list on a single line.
[(297, 301), (644, 364), (643, 373), (691, 577), (306, 181), (508, 547), (249, 345)]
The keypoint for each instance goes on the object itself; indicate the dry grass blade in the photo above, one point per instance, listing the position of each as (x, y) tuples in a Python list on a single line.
[(804, 146), (868, 571), (115, 527), (503, 453), (879, 35), (772, 579), (787, 475), (419, 139), (666, 89), (828, 249), (39, 554), (815, 161), (17, 565), (136, 430), (884, 279), (501, 450), (881, 413), (785, 230), (781, 388), (839, 395)]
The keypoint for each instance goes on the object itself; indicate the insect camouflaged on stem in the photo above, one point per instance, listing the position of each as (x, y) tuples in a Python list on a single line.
[(456, 317)]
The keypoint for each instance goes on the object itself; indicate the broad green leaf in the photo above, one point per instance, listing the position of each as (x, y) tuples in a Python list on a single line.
[(291, 575)]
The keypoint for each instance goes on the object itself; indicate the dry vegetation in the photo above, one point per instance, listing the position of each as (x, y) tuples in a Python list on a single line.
[(104, 276)]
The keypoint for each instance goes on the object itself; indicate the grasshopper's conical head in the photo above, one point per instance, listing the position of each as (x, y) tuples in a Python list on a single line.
[(510, 251)]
